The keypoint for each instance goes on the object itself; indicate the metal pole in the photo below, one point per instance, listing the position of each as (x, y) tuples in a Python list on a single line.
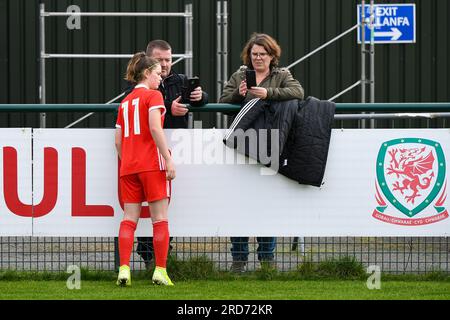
[(357, 83), (188, 47), (372, 54), (372, 60), (42, 100), (225, 54), (91, 113), (373, 115), (218, 61), (323, 46), (105, 56), (363, 52), (363, 57), (118, 14), (188, 40)]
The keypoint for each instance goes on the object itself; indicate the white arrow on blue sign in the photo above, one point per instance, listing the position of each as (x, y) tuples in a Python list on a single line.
[(393, 23)]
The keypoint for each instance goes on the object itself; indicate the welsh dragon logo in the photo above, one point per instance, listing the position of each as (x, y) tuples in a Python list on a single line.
[(410, 176)]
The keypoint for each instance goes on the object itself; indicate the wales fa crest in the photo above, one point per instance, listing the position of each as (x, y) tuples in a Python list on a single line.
[(411, 182)]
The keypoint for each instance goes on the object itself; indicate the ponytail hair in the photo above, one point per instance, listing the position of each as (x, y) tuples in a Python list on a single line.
[(137, 65)]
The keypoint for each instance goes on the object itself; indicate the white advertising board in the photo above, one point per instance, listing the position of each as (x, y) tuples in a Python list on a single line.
[(86, 201), (377, 183)]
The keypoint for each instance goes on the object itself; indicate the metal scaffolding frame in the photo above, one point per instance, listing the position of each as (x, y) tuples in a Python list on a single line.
[(363, 81), (222, 57), (188, 54), (221, 53)]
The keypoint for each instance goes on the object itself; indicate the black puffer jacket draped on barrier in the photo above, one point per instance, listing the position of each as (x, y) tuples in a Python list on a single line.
[(304, 132)]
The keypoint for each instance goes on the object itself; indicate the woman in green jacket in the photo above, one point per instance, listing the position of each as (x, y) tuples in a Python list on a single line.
[(262, 54)]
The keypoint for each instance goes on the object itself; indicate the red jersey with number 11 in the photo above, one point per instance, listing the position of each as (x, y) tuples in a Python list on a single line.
[(139, 151)]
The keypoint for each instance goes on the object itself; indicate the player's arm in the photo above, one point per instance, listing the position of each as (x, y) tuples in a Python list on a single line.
[(156, 130), (118, 142), (118, 133)]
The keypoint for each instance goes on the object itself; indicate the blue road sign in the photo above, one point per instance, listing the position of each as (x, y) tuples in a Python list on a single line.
[(393, 23)]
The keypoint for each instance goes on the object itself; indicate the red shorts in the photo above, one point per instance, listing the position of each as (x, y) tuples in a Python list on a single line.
[(147, 186)]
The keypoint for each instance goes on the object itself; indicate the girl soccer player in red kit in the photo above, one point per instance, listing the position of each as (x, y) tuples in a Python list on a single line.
[(146, 164)]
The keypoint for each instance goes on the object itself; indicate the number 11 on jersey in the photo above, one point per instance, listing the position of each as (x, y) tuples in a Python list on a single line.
[(136, 123)]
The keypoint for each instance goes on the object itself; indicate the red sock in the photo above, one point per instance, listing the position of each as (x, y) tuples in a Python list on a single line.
[(161, 242), (126, 241)]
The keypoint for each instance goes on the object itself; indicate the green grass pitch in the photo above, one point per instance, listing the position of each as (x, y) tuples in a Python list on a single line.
[(238, 289)]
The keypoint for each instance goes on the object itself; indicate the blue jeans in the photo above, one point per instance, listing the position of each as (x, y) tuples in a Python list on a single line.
[(239, 248)]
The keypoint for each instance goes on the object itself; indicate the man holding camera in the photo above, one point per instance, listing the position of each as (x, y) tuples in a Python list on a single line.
[(174, 88)]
